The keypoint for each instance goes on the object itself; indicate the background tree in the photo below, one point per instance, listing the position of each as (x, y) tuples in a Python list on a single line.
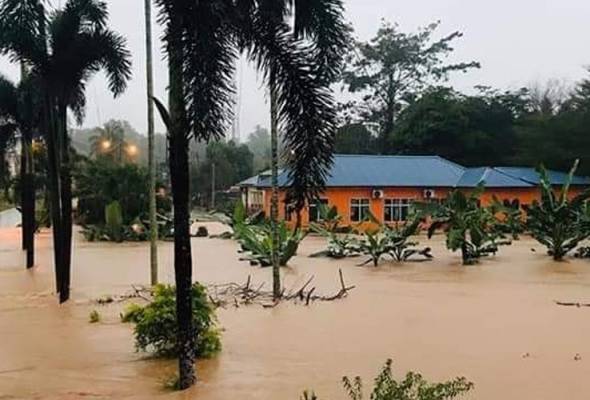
[(63, 49), (474, 130), (355, 138), (19, 110), (233, 163), (109, 142), (393, 67), (259, 144)]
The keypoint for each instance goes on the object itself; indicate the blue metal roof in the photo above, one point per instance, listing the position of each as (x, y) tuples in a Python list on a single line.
[(532, 176), (490, 177), (418, 171)]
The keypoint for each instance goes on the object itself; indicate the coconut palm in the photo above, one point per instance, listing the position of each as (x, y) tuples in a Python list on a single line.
[(19, 111), (63, 48), (202, 40), (321, 23)]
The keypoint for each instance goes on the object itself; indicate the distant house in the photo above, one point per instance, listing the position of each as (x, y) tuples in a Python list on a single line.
[(387, 186)]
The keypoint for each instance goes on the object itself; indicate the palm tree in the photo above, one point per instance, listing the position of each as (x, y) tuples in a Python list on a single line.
[(19, 110), (202, 40), (63, 49), (151, 145), (322, 24)]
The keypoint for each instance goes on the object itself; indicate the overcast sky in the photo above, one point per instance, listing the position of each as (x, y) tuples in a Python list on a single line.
[(516, 41)]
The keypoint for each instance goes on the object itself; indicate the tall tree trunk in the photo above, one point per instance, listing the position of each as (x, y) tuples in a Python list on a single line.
[(66, 203), (53, 157), (179, 174), (274, 201), (28, 199), (151, 146)]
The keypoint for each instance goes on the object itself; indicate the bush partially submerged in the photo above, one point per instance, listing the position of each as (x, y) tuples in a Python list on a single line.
[(412, 387), (156, 324)]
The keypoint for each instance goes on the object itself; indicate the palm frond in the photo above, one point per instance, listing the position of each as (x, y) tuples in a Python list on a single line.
[(22, 23), (306, 107)]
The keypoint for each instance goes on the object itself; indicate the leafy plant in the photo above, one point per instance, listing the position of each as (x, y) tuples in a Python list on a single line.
[(339, 245), (94, 317), (511, 217), (558, 222), (470, 228), (113, 216), (256, 240), (156, 327), (412, 387), (375, 246), (582, 252), (393, 241)]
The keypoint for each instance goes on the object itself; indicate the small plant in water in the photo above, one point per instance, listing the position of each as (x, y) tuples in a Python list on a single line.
[(94, 317), (156, 326)]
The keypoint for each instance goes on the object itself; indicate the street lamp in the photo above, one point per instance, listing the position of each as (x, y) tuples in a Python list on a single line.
[(106, 145), (132, 150)]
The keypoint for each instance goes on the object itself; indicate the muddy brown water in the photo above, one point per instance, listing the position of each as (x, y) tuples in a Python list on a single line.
[(495, 323)]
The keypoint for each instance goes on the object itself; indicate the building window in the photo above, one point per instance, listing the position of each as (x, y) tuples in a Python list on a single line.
[(314, 210), (359, 209), (396, 210), (288, 212)]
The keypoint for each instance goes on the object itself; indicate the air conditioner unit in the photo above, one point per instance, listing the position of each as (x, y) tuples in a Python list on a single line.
[(377, 194), (429, 194)]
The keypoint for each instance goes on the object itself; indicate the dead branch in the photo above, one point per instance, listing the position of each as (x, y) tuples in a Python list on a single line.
[(222, 295), (571, 304)]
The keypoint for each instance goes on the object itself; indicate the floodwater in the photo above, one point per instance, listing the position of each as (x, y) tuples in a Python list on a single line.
[(495, 323)]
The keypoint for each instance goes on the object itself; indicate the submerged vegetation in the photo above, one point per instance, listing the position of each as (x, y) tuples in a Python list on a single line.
[(412, 387), (469, 227), (559, 221), (156, 325)]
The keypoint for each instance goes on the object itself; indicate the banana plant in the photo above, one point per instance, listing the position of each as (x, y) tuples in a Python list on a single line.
[(256, 242), (470, 228), (340, 245), (559, 222)]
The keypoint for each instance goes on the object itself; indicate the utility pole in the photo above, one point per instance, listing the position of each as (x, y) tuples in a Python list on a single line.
[(151, 146)]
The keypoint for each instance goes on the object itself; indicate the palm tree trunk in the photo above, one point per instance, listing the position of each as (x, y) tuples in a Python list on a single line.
[(28, 199), (151, 146), (66, 203), (179, 175), (49, 125), (274, 201)]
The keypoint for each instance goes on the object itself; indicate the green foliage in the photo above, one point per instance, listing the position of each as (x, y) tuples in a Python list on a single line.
[(511, 217), (256, 240), (470, 228), (339, 245), (156, 324), (394, 240), (94, 317), (113, 216), (559, 222), (412, 387), (233, 163), (393, 67)]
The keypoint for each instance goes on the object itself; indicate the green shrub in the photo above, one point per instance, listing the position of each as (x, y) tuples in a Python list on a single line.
[(156, 324), (412, 387)]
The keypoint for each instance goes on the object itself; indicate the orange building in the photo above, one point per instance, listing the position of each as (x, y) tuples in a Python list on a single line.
[(388, 185)]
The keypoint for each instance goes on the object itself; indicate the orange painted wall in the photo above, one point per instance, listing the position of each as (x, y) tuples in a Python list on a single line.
[(341, 197)]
